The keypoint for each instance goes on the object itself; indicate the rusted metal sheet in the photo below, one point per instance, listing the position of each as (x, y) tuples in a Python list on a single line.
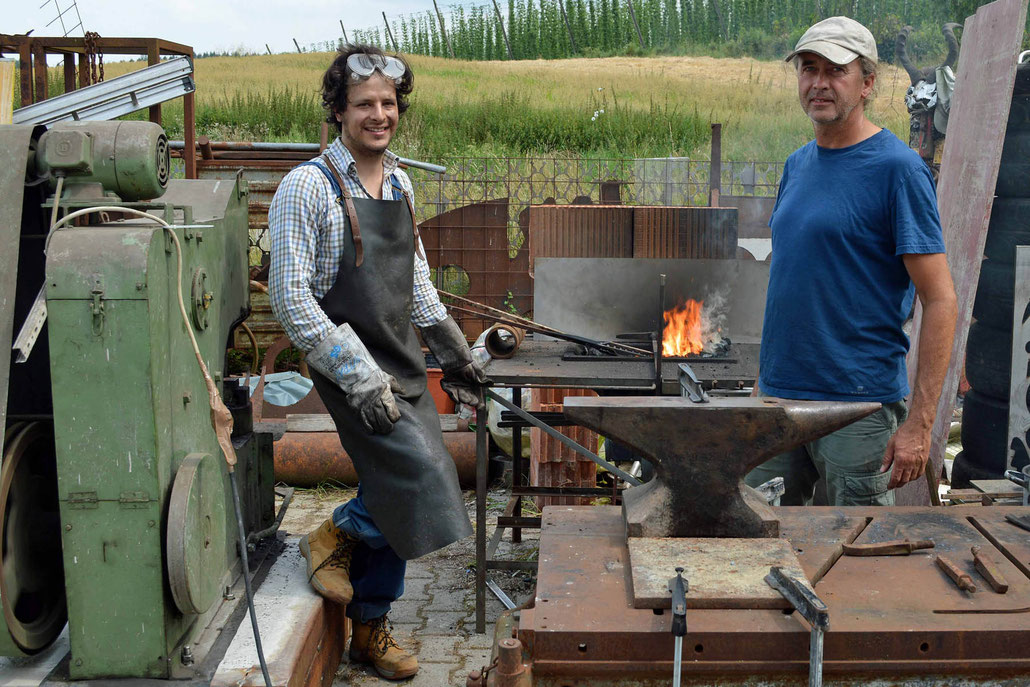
[(720, 572), (580, 231), (674, 232), (469, 247), (883, 626), (701, 452), (965, 193)]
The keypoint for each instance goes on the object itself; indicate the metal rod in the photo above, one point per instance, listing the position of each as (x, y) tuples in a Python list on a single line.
[(482, 466), (298, 45), (633, 16), (815, 660), (297, 148), (659, 334), (345, 39), (389, 33), (715, 172), (274, 527), (443, 30), (504, 33), (501, 596), (568, 27), (516, 465), (610, 467)]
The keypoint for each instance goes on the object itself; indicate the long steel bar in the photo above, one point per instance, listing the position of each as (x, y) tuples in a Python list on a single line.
[(314, 148), (516, 465), (482, 448), (610, 467)]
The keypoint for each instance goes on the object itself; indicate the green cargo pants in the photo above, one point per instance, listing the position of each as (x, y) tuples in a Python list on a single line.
[(840, 469)]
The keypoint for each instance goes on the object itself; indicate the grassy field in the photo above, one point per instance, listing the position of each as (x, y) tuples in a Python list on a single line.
[(652, 106)]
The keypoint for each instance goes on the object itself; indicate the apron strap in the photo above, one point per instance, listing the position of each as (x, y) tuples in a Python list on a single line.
[(352, 215), (398, 189)]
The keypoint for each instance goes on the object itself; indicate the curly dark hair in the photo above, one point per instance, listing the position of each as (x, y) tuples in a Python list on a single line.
[(335, 81)]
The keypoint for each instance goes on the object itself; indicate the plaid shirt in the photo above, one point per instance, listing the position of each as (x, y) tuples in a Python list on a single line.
[(306, 230)]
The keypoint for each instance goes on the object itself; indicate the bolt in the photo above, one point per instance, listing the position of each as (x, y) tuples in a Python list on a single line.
[(139, 286), (151, 523), (78, 661), (200, 236), (186, 657), (228, 595), (68, 528), (186, 397)]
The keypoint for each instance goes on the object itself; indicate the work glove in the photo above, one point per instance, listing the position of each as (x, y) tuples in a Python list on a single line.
[(368, 391), (463, 378)]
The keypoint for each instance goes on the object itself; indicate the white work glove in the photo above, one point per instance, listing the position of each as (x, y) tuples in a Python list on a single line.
[(368, 390), (463, 378)]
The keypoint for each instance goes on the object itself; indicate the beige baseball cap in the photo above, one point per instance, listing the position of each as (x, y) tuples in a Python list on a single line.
[(838, 39)]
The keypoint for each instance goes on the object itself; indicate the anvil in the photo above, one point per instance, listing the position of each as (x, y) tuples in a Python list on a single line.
[(701, 453)]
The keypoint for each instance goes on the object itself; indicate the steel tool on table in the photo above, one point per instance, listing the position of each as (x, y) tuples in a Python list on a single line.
[(812, 609), (679, 623)]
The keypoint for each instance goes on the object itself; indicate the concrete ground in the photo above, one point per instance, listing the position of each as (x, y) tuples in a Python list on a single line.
[(436, 616)]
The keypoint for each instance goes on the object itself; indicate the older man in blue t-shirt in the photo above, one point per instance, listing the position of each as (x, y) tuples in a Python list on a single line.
[(855, 236)]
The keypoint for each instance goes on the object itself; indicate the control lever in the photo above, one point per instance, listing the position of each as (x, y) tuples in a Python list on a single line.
[(812, 609), (678, 586)]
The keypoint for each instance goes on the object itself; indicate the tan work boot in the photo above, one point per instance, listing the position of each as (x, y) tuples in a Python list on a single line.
[(328, 550), (372, 642)]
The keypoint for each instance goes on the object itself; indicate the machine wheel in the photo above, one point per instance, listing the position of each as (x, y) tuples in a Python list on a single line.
[(31, 567), (1010, 227), (995, 295), (985, 429), (196, 536), (989, 360)]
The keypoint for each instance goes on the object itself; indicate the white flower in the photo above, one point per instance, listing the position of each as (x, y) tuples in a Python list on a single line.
[(602, 111)]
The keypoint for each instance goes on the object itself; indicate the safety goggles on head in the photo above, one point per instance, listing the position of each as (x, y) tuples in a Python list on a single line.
[(361, 66)]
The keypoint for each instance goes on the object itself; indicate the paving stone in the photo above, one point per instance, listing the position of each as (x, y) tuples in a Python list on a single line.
[(437, 649), (416, 588), (477, 642), (451, 600), (446, 622)]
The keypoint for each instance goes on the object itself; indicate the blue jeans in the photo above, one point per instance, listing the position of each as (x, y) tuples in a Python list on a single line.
[(376, 572)]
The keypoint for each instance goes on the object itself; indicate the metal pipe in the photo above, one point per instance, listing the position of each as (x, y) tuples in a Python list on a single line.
[(295, 148), (482, 456), (502, 340), (304, 459)]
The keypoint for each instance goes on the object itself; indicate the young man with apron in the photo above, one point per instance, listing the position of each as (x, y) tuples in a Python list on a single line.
[(348, 279)]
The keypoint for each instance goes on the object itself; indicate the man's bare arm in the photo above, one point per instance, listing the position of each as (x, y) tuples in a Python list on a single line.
[(909, 448)]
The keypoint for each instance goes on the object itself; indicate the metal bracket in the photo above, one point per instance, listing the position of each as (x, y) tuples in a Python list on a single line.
[(133, 499), (812, 609), (82, 499), (690, 385), (96, 305), (31, 328)]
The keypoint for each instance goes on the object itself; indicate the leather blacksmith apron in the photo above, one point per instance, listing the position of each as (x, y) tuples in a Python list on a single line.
[(409, 481)]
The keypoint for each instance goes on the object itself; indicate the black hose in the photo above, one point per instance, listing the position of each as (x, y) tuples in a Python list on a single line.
[(246, 575)]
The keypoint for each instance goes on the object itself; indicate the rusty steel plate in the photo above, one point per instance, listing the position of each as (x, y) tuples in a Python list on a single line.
[(720, 573), (883, 627)]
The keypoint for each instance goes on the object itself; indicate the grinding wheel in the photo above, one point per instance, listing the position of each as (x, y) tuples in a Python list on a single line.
[(31, 570), (196, 535)]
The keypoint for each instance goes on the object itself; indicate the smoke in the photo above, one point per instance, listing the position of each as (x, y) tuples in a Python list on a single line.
[(713, 319)]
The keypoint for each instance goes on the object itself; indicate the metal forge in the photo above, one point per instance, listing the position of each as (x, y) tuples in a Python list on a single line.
[(602, 609)]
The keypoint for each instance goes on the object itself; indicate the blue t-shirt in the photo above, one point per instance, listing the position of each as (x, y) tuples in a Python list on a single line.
[(838, 288)]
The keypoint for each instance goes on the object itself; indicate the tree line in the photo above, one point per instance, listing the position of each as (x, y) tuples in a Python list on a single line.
[(552, 29)]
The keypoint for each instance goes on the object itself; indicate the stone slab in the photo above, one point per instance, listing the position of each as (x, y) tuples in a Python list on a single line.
[(721, 573), (302, 634)]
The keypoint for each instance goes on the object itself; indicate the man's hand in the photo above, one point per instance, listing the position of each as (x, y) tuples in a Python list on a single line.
[(344, 359), (465, 384), (908, 450), (376, 404)]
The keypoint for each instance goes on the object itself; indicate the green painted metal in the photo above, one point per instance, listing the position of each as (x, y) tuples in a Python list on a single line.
[(129, 159), (129, 406), (14, 151)]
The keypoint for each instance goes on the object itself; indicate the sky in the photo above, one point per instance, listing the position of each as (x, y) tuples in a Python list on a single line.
[(212, 25)]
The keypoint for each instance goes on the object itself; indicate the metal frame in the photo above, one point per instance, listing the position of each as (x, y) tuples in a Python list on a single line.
[(33, 50), (512, 518)]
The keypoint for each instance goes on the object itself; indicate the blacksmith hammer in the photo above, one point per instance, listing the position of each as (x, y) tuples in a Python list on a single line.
[(812, 609)]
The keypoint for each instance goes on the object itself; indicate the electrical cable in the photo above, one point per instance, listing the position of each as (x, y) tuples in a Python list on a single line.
[(221, 418)]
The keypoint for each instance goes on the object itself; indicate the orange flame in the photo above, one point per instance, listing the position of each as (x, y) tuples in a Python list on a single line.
[(682, 335)]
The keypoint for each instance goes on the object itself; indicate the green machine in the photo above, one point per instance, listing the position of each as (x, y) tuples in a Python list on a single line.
[(115, 504)]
